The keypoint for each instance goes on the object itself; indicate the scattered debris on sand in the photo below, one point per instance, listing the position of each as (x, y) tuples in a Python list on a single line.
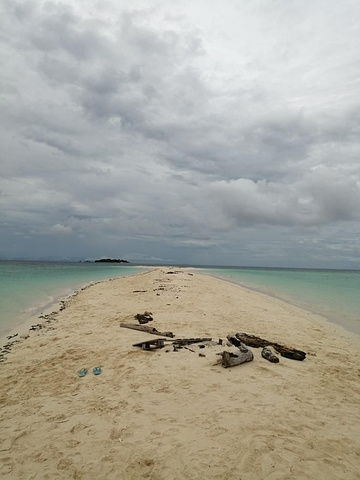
[(238, 351)]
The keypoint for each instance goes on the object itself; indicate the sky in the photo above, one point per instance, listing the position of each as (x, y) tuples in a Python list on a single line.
[(209, 132)]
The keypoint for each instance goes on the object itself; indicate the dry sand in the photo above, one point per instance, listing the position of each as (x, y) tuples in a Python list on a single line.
[(176, 415)]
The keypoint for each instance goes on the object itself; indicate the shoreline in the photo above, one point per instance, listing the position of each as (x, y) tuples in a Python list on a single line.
[(22, 328), (53, 308), (176, 414), (24, 320), (350, 325)]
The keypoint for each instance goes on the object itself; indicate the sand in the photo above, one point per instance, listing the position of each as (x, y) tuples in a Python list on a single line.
[(177, 415)]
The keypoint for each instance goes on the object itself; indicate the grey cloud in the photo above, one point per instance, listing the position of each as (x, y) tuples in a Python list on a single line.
[(64, 145), (58, 70), (60, 29), (140, 71), (319, 198), (204, 141), (336, 197), (59, 229)]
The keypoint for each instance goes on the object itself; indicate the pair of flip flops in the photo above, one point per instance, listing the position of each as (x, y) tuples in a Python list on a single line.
[(83, 371)]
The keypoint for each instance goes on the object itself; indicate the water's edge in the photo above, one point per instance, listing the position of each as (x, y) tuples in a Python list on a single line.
[(348, 325), (22, 323)]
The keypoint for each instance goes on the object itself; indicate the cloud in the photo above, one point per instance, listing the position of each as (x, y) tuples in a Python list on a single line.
[(60, 230), (321, 197)]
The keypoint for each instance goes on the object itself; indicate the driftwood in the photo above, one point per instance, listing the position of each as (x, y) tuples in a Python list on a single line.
[(188, 341), (144, 317), (268, 355), (159, 342), (151, 330), (257, 342), (234, 341), (242, 354), (151, 344)]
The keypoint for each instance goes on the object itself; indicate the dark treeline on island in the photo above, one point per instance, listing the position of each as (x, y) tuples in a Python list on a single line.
[(111, 260)]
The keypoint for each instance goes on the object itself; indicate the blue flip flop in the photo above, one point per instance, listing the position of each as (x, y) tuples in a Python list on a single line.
[(96, 370), (82, 372)]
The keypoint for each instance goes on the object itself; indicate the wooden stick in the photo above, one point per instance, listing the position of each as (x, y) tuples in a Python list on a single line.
[(143, 328), (189, 341), (151, 344)]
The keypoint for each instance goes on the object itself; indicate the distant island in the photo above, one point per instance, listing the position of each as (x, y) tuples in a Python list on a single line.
[(111, 260)]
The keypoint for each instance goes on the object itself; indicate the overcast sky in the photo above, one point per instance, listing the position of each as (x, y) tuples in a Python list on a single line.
[(209, 132)]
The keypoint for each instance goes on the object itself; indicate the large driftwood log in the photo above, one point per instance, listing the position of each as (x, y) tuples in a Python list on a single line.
[(257, 342), (151, 330), (230, 359)]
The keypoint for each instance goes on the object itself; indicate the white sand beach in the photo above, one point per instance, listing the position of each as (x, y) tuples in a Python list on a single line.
[(167, 414)]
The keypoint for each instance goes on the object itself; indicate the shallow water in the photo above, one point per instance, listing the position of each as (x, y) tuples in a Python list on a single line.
[(28, 287)]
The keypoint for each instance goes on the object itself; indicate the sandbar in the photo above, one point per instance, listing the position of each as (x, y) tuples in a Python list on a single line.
[(168, 414)]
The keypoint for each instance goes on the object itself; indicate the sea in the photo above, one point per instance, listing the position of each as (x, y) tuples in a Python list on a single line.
[(30, 288)]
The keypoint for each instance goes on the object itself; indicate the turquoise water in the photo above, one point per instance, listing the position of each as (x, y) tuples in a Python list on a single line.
[(334, 294), (28, 287)]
